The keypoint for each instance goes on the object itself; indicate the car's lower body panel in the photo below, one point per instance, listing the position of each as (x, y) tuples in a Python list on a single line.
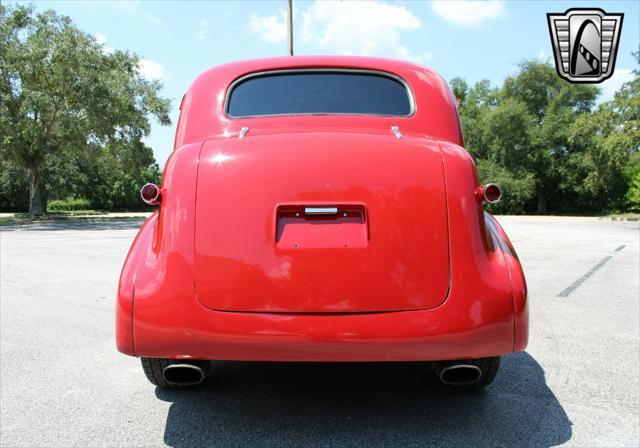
[(484, 313), (438, 334)]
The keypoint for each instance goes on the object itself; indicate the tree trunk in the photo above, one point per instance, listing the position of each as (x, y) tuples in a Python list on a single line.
[(542, 202), (36, 204)]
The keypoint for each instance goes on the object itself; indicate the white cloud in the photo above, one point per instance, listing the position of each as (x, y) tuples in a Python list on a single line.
[(367, 28), (128, 6), (364, 28), (151, 70), (613, 84), (360, 27), (201, 30), (154, 19), (543, 56), (468, 12), (132, 8), (420, 58), (272, 29), (101, 39)]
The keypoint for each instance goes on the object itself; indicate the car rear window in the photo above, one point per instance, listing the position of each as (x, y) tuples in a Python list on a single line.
[(319, 92)]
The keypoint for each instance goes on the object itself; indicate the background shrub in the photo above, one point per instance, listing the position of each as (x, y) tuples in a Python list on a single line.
[(69, 204)]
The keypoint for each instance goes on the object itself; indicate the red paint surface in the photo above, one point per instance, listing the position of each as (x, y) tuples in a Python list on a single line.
[(347, 228), (240, 267), (212, 275)]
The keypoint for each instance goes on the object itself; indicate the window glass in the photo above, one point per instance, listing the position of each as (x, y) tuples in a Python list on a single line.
[(323, 92)]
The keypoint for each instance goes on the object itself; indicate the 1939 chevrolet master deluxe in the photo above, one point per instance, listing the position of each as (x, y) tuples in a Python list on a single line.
[(320, 209)]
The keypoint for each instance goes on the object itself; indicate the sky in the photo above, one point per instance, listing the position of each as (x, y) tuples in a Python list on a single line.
[(177, 40)]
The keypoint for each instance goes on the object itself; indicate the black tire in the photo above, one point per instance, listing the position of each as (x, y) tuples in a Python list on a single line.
[(488, 367), (153, 368)]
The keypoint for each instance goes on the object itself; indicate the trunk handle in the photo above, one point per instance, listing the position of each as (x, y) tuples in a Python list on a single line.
[(321, 210)]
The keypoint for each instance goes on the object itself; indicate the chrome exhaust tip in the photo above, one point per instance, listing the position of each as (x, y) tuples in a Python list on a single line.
[(459, 374), (184, 374)]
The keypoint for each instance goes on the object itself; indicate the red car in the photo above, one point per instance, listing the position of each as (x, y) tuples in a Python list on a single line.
[(320, 209)]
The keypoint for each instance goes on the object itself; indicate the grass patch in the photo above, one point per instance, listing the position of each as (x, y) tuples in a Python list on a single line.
[(24, 218), (68, 204), (77, 212), (625, 216)]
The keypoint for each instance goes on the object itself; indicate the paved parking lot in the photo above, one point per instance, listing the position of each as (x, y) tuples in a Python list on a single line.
[(63, 384)]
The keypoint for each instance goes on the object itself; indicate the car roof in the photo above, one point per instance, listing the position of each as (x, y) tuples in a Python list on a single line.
[(203, 104), (241, 68)]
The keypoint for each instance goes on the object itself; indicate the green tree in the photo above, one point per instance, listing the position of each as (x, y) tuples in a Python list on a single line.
[(474, 103), (519, 189), (610, 138), (521, 132), (63, 98), (109, 177), (632, 196), (552, 106), (543, 137), (14, 190)]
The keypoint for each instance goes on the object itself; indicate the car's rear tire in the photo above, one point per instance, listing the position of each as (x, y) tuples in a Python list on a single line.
[(488, 370), (154, 368)]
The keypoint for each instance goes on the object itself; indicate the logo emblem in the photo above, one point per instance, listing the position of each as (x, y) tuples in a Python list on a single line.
[(585, 42)]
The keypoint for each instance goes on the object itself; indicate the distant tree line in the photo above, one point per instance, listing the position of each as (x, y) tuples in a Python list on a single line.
[(72, 116), (72, 119), (548, 144)]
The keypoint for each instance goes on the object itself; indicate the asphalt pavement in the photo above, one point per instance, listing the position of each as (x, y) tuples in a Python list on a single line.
[(62, 382)]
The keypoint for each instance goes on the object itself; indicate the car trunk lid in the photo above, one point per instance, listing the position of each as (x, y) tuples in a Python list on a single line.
[(321, 222)]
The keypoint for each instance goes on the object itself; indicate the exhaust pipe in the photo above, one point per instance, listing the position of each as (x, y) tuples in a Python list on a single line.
[(184, 374), (458, 374)]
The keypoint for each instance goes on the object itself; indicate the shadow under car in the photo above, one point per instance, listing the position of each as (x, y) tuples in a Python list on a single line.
[(363, 404)]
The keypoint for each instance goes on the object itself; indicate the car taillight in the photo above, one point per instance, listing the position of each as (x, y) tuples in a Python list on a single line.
[(491, 193), (150, 194)]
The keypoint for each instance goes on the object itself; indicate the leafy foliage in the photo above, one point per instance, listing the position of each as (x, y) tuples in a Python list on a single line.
[(60, 205), (14, 187), (67, 107), (545, 141), (73, 116), (519, 190), (632, 196)]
